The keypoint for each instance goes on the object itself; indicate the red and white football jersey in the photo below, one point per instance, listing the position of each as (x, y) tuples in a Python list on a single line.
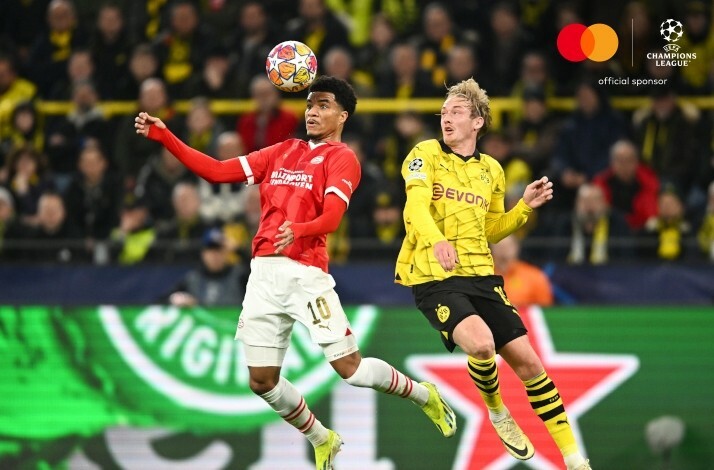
[(294, 177)]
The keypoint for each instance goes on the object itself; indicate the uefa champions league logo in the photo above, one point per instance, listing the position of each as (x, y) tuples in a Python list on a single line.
[(671, 31)]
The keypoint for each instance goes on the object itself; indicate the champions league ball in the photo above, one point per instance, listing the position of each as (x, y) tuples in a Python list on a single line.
[(291, 66), (671, 30)]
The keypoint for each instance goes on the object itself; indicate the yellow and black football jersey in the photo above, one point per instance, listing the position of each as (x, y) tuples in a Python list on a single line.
[(454, 198)]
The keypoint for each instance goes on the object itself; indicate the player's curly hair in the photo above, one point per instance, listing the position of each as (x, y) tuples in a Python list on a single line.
[(343, 91), (474, 94)]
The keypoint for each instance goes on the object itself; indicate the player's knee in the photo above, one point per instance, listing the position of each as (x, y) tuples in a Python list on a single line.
[(480, 349), (261, 386), (346, 367), (528, 370)]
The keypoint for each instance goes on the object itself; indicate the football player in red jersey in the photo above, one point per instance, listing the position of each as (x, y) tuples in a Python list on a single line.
[(305, 188)]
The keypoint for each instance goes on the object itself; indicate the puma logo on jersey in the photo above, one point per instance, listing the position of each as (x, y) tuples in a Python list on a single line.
[(348, 183)]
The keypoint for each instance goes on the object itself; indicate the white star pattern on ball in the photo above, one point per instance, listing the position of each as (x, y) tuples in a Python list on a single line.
[(291, 66), (671, 30)]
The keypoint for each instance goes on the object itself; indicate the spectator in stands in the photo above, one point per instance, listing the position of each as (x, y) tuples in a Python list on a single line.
[(633, 61), (52, 49), (698, 38), (339, 63), (630, 187), (360, 217), (202, 127), (22, 22), (502, 48), (537, 20), (156, 182), (54, 239), (26, 130), (178, 238), (143, 64), (135, 235), (373, 57), (405, 79), (67, 134), (518, 173), (438, 37), (408, 130), (317, 27), (597, 234), (705, 235), (255, 37), (131, 153), (270, 123), (93, 198), (535, 131), (13, 90), (525, 283), (462, 64), (566, 74), (217, 79), (80, 68), (240, 233), (215, 281), (668, 228), (674, 142), (28, 179), (534, 77), (146, 20), (584, 143), (111, 49), (10, 228), (221, 202), (181, 48), (375, 216)]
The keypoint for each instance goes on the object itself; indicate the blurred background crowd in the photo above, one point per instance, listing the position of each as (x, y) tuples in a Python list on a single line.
[(633, 165)]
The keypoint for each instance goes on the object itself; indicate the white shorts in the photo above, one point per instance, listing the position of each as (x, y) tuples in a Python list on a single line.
[(281, 291)]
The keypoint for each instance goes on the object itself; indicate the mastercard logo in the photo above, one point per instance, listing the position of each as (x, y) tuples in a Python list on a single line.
[(597, 42)]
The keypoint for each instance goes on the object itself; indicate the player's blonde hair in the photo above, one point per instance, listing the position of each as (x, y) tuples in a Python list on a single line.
[(474, 94)]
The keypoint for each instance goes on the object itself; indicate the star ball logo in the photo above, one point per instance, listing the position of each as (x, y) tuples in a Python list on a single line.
[(671, 31), (597, 42)]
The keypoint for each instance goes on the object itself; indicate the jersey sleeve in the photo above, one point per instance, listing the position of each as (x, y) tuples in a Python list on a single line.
[(418, 173), (418, 168), (257, 164), (343, 174)]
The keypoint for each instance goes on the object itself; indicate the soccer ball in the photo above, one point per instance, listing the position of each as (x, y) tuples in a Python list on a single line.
[(671, 30), (291, 66)]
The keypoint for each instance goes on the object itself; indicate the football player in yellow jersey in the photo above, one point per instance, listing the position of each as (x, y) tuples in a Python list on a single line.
[(454, 208)]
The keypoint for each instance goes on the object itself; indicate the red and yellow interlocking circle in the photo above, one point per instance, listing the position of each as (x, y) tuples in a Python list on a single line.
[(597, 42)]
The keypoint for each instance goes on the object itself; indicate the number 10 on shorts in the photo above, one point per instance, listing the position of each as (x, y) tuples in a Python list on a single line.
[(323, 309)]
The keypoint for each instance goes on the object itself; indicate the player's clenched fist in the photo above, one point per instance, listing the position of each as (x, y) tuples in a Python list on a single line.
[(144, 121)]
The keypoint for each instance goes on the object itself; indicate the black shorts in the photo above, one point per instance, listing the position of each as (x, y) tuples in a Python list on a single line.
[(446, 303)]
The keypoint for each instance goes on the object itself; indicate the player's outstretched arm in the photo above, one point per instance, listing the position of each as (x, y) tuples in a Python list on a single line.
[(325, 223), (208, 168), (538, 192)]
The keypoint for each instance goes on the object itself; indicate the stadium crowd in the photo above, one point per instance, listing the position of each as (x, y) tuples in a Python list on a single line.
[(82, 187)]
